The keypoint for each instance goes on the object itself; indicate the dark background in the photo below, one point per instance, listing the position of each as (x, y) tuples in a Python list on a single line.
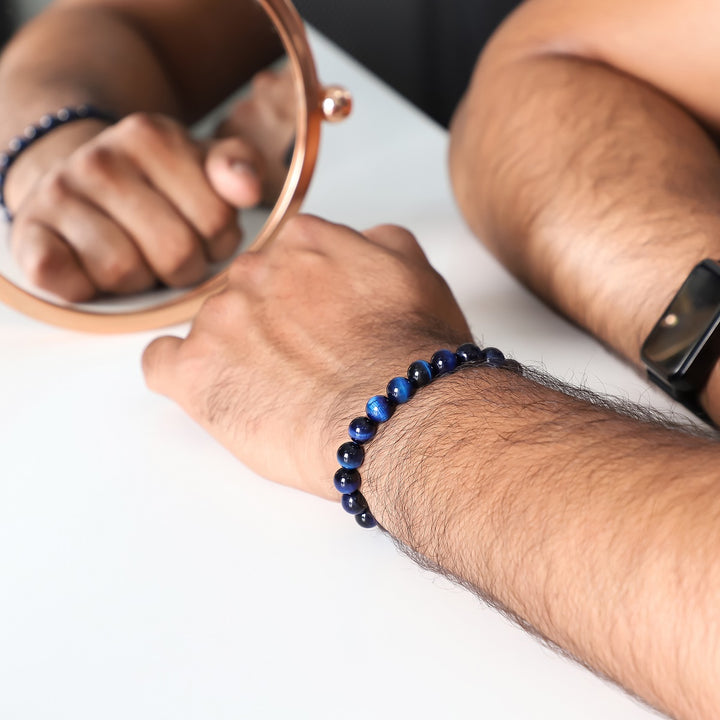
[(424, 48)]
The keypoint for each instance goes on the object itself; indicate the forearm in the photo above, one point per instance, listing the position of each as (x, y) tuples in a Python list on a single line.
[(595, 529), (594, 188), (177, 58), (46, 68), (74, 55)]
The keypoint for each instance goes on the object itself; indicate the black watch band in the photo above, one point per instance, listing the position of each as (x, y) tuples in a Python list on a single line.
[(682, 349), (687, 399)]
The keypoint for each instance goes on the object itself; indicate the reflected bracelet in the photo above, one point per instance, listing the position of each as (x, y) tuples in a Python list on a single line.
[(33, 133), (380, 408)]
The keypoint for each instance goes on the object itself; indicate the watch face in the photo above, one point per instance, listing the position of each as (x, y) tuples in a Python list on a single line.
[(680, 347)]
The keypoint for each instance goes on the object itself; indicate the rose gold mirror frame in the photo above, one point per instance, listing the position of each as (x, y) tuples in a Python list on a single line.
[(315, 104)]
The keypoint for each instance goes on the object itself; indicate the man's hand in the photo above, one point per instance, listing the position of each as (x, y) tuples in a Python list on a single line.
[(267, 117), (309, 328), (138, 203)]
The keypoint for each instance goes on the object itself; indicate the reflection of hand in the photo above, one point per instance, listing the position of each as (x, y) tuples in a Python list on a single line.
[(266, 119), (138, 203), (310, 327)]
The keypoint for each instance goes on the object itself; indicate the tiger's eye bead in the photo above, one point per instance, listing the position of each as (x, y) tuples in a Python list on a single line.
[(354, 503), (380, 408), (513, 366), (350, 455), (366, 520), (420, 373), (362, 429), (400, 389), (346, 481), (469, 352), (443, 361), (492, 356)]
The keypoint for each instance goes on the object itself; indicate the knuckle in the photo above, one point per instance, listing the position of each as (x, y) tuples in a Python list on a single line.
[(57, 188), (403, 236), (303, 232), (42, 265), (217, 216), (245, 268), (263, 79), (145, 128), (225, 309), (117, 268), (95, 161), (181, 248)]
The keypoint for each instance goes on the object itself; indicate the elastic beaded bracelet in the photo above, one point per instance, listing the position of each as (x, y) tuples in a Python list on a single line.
[(380, 408), (33, 133)]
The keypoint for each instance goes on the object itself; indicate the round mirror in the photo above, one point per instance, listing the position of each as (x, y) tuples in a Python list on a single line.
[(277, 113)]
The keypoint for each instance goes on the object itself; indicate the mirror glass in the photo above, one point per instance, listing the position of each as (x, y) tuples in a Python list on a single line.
[(259, 123)]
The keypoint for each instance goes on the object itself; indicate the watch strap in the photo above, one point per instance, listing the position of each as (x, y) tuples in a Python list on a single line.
[(686, 399)]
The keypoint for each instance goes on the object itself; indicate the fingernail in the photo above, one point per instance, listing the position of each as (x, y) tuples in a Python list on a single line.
[(242, 168)]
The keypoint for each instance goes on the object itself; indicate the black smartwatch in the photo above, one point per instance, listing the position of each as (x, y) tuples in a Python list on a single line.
[(683, 347)]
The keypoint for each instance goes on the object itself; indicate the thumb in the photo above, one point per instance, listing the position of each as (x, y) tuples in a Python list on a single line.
[(232, 168), (159, 361)]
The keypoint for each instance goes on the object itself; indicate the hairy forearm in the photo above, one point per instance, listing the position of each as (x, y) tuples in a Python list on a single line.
[(69, 56), (594, 188), (596, 529)]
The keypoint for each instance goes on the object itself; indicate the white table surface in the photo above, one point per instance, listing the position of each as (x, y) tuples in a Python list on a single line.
[(144, 573)]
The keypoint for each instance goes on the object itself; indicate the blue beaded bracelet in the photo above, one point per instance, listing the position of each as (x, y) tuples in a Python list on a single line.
[(379, 409), (33, 133)]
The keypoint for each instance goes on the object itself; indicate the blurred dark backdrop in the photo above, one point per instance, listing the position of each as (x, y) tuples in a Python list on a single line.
[(5, 22), (425, 49)]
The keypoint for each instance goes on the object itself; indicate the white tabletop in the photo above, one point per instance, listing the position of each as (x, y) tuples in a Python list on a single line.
[(144, 573)]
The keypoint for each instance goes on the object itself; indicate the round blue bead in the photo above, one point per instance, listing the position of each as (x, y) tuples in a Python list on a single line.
[(350, 455), (469, 352), (354, 503), (493, 356), (366, 520), (443, 361), (380, 408), (346, 481), (420, 373), (400, 389), (362, 429)]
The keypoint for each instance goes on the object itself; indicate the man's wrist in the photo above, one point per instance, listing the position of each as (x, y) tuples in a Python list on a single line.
[(413, 467), (45, 153)]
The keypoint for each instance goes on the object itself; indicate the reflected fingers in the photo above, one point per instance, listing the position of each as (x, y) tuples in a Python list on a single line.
[(49, 263)]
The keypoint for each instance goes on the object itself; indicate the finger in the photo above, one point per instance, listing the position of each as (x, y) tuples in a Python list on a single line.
[(396, 239), (232, 168), (225, 244), (171, 247), (49, 263), (159, 364), (108, 255), (173, 163)]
